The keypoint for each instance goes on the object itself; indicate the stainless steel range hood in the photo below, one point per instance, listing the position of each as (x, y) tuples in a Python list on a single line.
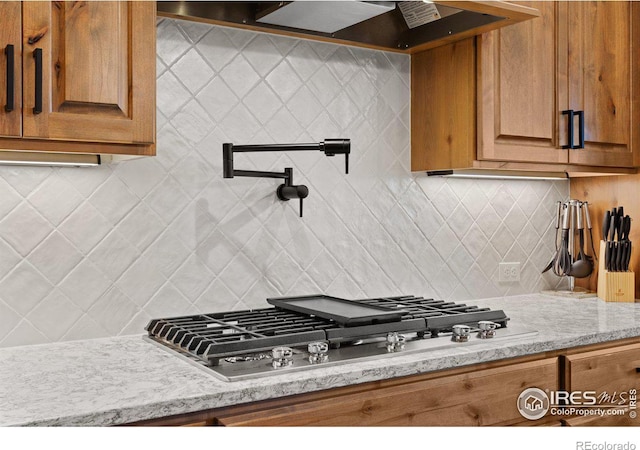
[(409, 28)]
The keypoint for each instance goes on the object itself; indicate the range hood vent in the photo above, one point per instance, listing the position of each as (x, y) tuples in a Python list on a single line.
[(409, 28), (324, 17)]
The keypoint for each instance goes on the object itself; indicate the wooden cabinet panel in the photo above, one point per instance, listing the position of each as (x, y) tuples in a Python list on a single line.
[(98, 77), (604, 371), (483, 397), (94, 74), (442, 108), (600, 79), (519, 103), (11, 34)]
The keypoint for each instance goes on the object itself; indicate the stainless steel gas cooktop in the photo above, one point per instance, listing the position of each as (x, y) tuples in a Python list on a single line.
[(302, 333)]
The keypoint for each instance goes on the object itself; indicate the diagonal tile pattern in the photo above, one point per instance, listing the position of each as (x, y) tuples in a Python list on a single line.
[(97, 252)]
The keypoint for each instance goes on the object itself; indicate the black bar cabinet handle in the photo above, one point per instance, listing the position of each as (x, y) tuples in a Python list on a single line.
[(8, 51), (569, 112), (580, 115), (37, 54)]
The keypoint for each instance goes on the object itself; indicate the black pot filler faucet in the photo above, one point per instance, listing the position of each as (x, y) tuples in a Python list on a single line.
[(286, 190)]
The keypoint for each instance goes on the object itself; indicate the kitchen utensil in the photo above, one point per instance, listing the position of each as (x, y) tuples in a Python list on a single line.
[(623, 258), (612, 226), (611, 243), (626, 244), (619, 255), (558, 219), (562, 264), (587, 217), (582, 266), (605, 225)]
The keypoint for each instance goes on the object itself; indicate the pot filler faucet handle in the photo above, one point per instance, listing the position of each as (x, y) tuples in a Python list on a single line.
[(287, 190), (332, 147)]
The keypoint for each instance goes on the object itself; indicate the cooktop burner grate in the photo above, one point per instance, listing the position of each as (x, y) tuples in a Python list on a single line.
[(209, 337)]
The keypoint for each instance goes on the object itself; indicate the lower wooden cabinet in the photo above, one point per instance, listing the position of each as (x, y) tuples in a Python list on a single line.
[(612, 375), (482, 397)]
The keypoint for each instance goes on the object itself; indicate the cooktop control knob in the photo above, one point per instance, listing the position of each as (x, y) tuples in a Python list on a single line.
[(281, 357), (395, 342), (461, 333), (487, 329), (318, 352)]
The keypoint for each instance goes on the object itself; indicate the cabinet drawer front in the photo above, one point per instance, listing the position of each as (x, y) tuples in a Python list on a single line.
[(484, 397), (610, 370)]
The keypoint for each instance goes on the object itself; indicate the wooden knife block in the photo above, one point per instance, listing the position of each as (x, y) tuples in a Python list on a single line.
[(615, 286)]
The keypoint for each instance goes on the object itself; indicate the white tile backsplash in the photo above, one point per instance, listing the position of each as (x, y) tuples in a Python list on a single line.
[(98, 252)]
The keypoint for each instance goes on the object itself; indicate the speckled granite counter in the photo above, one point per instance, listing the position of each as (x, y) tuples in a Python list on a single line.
[(125, 379)]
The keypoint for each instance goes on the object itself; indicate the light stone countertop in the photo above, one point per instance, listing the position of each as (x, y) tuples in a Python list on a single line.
[(125, 379)]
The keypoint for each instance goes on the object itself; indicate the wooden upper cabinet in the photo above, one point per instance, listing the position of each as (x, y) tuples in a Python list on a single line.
[(443, 125), (10, 80), (578, 56), (518, 98), (602, 78), (97, 76)]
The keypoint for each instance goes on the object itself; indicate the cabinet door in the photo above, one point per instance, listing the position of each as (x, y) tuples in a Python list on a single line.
[(520, 91), (10, 35), (612, 371), (443, 126), (97, 79), (602, 68), (482, 397)]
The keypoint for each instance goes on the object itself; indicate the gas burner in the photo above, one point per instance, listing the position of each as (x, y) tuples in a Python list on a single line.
[(251, 343)]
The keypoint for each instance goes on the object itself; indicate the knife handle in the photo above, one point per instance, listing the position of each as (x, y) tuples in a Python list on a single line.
[(612, 227), (619, 256), (607, 255), (625, 253), (605, 225), (629, 246), (627, 227)]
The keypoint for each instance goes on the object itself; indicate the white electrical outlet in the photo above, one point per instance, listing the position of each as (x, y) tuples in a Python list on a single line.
[(509, 271)]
